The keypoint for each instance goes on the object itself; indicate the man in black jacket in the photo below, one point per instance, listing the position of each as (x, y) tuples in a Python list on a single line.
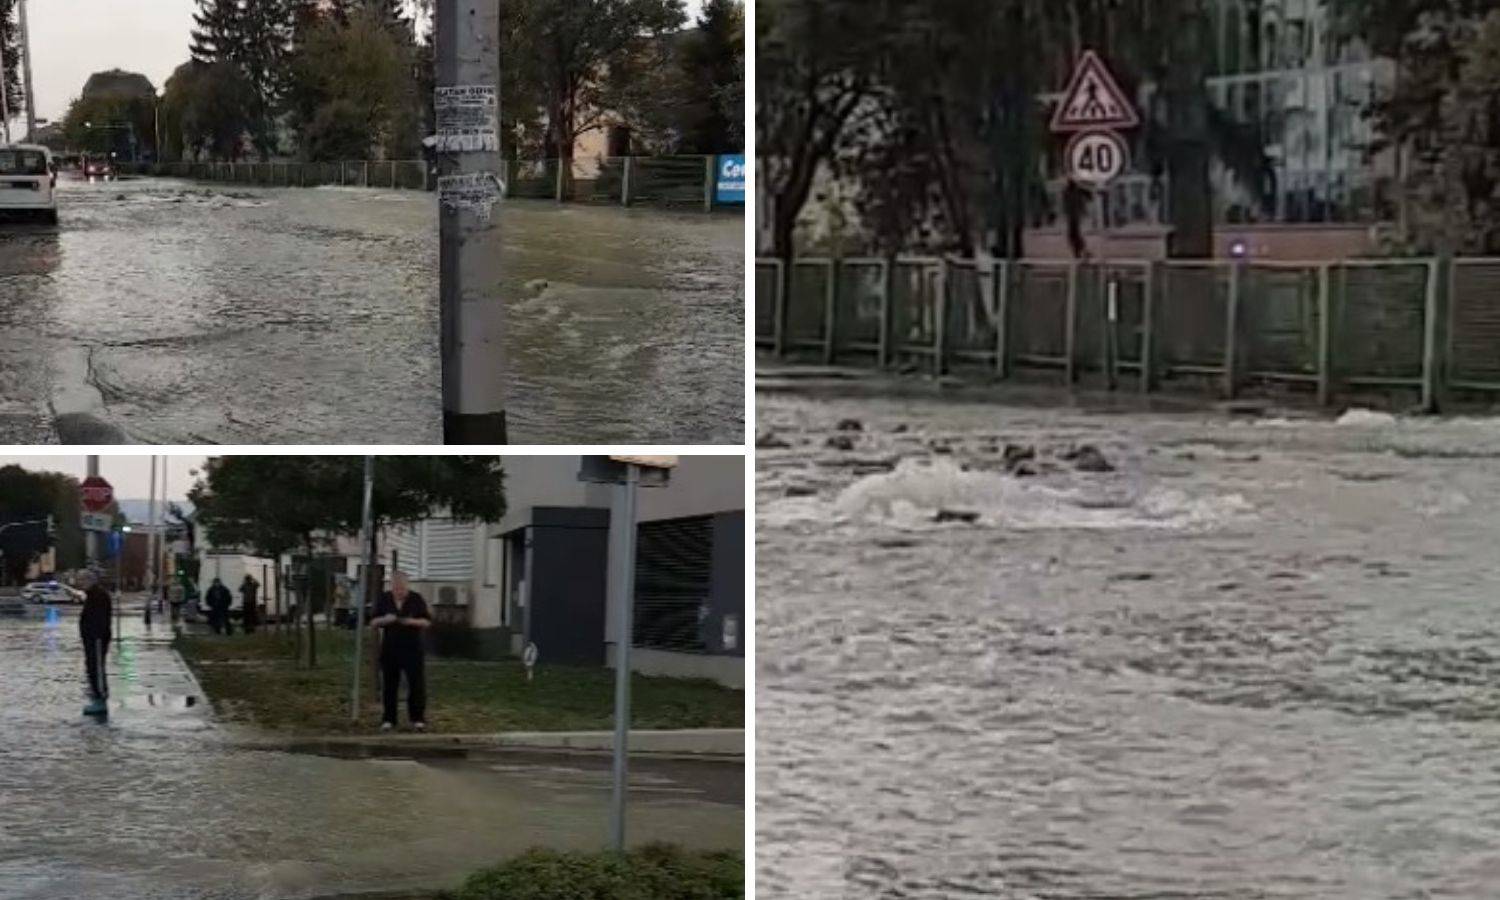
[(403, 616), (219, 601), (95, 628), (248, 589)]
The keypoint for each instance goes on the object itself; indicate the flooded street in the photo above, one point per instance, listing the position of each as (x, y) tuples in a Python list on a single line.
[(166, 311), (162, 802), (1243, 658)]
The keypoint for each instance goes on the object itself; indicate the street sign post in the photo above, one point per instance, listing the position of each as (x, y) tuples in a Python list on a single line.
[(96, 521), (627, 474)]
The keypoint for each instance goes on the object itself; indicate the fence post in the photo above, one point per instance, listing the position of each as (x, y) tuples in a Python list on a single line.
[(785, 270), (1154, 280), (625, 186), (393, 174), (1325, 334), (1070, 326), (830, 310), (1000, 284), (1430, 338), (940, 338), (887, 289), (559, 179), (708, 184), (1231, 330)]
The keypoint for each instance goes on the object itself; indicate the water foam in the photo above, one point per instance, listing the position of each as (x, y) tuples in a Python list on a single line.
[(917, 490)]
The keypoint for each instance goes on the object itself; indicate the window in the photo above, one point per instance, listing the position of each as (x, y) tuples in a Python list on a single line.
[(23, 162), (674, 564)]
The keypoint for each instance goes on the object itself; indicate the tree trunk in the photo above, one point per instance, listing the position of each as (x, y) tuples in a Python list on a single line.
[(1190, 193)]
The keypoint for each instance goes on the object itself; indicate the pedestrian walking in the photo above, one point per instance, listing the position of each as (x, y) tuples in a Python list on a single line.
[(402, 616), (248, 589), (219, 601), (95, 628)]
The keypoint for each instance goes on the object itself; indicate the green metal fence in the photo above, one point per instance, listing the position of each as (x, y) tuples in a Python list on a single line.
[(674, 181), (1426, 324)]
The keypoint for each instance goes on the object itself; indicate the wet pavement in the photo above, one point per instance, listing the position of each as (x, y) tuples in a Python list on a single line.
[(162, 802), (1259, 658), (166, 311)]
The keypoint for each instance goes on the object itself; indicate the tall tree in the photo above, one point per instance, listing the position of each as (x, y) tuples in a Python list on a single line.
[(568, 49), (217, 31), (30, 497), (354, 89), (712, 57), (817, 66)]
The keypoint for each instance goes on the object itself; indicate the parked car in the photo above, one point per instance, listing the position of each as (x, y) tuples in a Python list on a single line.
[(28, 182), (51, 592)]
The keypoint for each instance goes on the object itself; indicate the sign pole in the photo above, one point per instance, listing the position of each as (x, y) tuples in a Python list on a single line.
[(625, 592), (361, 594), (468, 154), (91, 535)]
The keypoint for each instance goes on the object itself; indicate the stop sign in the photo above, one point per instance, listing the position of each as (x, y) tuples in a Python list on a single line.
[(97, 494)]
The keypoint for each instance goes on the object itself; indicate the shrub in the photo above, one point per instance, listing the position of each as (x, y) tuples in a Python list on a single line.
[(655, 872)]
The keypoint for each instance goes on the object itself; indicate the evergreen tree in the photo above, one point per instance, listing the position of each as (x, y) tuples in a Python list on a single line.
[(711, 60), (217, 31), (265, 36)]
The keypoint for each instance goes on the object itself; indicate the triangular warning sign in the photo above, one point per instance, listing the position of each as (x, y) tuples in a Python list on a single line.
[(1093, 99)]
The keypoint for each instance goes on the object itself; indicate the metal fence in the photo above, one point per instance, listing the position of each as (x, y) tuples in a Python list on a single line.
[(1431, 325), (675, 181)]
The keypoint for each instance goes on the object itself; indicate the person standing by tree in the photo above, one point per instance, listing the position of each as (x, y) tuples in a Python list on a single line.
[(248, 589), (402, 616), (96, 630), (219, 600)]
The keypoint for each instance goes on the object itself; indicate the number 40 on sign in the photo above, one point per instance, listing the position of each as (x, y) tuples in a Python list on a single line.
[(1095, 158)]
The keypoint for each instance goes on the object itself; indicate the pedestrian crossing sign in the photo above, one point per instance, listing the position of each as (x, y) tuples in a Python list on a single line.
[(1093, 99)]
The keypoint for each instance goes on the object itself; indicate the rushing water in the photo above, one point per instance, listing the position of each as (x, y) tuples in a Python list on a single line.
[(169, 311), (161, 802), (1261, 658)]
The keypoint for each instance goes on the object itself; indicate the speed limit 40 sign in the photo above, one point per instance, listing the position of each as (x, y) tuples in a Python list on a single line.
[(1095, 158)]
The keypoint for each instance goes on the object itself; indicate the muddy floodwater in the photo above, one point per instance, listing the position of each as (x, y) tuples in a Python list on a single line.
[(1247, 658), (163, 803), (177, 312)]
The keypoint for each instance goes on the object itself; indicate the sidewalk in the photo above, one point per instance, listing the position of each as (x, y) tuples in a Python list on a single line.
[(726, 744)]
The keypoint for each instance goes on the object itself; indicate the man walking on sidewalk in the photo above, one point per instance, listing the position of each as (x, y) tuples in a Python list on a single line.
[(402, 616), (95, 628)]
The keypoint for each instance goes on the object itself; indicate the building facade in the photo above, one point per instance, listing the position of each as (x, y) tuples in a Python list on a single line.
[(541, 575)]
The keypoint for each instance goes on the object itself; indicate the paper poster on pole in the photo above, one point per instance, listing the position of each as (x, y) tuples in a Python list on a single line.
[(477, 192), (468, 119)]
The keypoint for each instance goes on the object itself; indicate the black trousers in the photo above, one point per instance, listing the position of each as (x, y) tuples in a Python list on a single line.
[(95, 651), (415, 668)]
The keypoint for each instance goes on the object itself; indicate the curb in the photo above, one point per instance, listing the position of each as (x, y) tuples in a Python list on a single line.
[(705, 743)]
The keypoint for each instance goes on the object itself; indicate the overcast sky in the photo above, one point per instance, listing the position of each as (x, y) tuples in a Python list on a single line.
[(72, 39), (130, 476)]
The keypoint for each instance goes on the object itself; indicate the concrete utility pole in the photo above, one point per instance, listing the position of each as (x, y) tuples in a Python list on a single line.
[(468, 153), (26, 73), (362, 593)]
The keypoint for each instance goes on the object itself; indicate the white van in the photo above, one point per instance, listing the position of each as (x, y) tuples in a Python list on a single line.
[(28, 181)]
